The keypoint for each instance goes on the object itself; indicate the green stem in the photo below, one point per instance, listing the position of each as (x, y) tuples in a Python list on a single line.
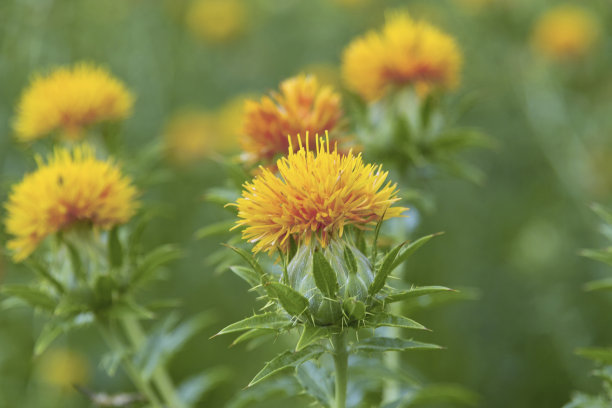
[(341, 366), (143, 386), (161, 379)]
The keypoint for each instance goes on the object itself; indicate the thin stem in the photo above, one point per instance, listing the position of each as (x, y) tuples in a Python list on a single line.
[(341, 366), (143, 386), (161, 379)]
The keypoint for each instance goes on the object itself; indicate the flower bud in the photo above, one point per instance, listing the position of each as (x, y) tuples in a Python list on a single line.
[(353, 274)]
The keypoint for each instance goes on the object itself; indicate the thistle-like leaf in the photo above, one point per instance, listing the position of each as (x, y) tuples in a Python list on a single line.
[(152, 261), (247, 274), (416, 292), (288, 359), (310, 334), (33, 296), (272, 321), (382, 344), (598, 354), (411, 249), (350, 260), (389, 320), (252, 334), (385, 270), (292, 301), (247, 256), (601, 284), (324, 275)]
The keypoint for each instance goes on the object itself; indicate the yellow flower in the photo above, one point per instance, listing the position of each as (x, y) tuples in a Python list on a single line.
[(230, 119), (189, 136), (64, 368), (316, 196), (72, 187), (406, 52), (301, 107), (565, 32), (216, 20), (68, 100)]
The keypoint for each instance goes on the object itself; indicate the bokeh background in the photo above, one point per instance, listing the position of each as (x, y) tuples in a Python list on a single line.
[(515, 238)]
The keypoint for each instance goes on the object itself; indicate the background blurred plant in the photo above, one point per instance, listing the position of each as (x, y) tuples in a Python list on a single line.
[(601, 356), (514, 240)]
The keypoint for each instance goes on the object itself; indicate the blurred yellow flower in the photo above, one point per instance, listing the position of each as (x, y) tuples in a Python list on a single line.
[(406, 52), (216, 20), (70, 99), (565, 32), (189, 136), (72, 187), (230, 119), (64, 368), (301, 107), (316, 196)]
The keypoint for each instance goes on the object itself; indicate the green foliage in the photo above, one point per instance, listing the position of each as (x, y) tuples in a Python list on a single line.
[(288, 359)]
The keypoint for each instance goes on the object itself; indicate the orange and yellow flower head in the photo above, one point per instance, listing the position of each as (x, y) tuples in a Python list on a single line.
[(405, 52), (316, 195), (71, 187), (565, 32), (68, 100), (301, 107)]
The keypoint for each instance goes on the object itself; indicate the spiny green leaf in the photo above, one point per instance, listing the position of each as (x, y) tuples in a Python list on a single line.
[(601, 284), (598, 354), (385, 270), (601, 255), (292, 301), (247, 256), (317, 382), (33, 296), (251, 334), (45, 274), (386, 319), (375, 241), (349, 258), (272, 321), (115, 251), (191, 390), (166, 340), (286, 360), (248, 274), (324, 275), (49, 333), (416, 292), (603, 213), (75, 260), (153, 260), (218, 228), (411, 249), (381, 344), (310, 334)]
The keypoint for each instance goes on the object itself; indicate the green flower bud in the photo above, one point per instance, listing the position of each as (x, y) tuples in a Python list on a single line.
[(352, 272)]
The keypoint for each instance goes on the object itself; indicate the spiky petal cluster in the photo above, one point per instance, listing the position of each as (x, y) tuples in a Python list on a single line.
[(406, 52), (316, 196), (565, 32), (68, 100), (301, 107), (71, 187)]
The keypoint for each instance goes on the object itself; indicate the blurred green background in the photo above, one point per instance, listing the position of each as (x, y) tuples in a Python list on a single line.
[(516, 238)]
